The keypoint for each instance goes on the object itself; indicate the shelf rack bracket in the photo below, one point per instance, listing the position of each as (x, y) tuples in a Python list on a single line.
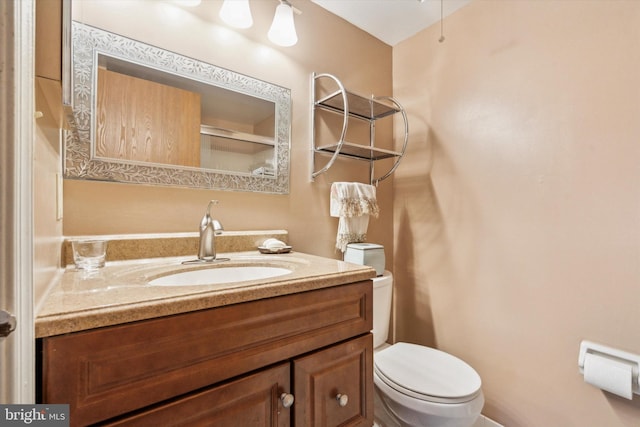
[(345, 123), (363, 108)]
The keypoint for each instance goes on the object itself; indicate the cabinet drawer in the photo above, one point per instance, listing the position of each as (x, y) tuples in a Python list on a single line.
[(111, 371), (251, 401), (320, 379)]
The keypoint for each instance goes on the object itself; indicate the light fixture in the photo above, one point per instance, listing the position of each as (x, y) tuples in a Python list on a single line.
[(283, 29), (236, 13), (188, 3), (441, 39)]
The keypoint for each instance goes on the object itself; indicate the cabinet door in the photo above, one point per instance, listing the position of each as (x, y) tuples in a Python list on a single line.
[(251, 401), (48, 58), (334, 387)]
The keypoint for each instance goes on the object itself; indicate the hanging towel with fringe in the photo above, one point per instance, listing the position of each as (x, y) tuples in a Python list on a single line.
[(353, 203)]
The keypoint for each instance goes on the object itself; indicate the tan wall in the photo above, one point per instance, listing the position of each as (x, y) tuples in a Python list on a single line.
[(47, 226), (517, 213), (326, 44)]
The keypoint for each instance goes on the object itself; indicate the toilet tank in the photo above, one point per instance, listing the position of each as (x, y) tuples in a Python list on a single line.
[(382, 291)]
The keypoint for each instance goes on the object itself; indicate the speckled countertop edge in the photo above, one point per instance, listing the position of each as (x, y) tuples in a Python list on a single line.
[(119, 292)]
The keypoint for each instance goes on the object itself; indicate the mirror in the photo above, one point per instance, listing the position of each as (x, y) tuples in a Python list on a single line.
[(149, 116)]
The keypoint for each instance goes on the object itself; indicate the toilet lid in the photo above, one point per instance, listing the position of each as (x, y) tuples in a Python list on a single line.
[(427, 374)]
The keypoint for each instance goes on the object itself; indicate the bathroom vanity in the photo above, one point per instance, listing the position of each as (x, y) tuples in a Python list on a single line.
[(292, 350)]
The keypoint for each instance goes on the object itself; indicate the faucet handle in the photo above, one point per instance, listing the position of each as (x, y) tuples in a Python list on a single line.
[(217, 227)]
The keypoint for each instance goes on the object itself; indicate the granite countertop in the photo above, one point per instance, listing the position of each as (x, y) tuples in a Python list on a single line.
[(120, 293)]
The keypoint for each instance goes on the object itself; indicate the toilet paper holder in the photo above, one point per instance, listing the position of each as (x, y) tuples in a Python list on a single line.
[(588, 347)]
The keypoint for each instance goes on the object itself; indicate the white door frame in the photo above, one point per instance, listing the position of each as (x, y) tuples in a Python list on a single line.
[(17, 352)]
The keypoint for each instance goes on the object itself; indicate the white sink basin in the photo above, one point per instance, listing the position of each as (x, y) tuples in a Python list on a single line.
[(219, 275)]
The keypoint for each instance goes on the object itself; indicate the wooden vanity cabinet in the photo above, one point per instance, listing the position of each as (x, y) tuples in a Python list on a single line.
[(223, 366)]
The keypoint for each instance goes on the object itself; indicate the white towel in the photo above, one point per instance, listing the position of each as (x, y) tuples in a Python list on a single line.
[(349, 199), (353, 203)]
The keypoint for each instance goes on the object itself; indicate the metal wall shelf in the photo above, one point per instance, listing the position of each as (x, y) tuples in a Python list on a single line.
[(351, 105), (360, 152), (359, 106)]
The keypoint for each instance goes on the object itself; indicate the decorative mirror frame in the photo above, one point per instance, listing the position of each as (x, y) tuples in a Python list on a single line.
[(79, 161)]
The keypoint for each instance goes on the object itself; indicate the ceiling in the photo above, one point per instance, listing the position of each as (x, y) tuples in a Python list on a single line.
[(391, 21)]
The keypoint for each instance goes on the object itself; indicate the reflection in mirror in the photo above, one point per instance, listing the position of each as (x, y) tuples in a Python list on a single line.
[(156, 117), (146, 115)]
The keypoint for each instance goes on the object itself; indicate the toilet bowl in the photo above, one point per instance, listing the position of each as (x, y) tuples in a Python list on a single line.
[(417, 385)]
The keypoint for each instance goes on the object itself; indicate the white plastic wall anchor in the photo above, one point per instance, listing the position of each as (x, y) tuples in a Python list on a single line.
[(606, 351)]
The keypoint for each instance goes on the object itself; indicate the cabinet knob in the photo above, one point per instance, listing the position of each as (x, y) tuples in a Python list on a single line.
[(342, 399), (287, 399)]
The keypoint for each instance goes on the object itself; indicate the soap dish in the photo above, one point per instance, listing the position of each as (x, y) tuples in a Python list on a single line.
[(283, 250)]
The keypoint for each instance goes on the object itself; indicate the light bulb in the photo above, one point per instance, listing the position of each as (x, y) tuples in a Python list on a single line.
[(236, 13), (283, 29)]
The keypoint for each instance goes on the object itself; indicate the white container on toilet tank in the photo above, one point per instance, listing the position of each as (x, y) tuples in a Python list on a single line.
[(370, 254)]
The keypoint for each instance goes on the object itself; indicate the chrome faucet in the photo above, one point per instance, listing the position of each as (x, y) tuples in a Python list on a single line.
[(209, 228), (207, 250)]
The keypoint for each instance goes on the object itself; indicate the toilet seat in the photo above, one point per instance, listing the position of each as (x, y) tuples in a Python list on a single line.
[(427, 374)]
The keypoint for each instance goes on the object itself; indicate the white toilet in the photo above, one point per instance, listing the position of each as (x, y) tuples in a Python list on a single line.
[(417, 385)]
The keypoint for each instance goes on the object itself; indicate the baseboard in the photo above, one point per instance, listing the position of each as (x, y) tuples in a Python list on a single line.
[(483, 421)]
